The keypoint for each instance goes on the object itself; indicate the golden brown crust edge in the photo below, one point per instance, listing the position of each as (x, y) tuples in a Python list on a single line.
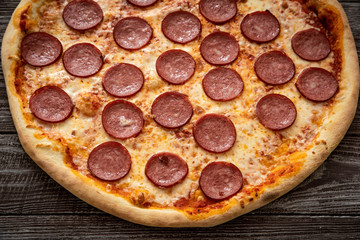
[(52, 162), (335, 127)]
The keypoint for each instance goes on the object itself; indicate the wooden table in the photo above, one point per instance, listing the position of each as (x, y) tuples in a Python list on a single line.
[(32, 205)]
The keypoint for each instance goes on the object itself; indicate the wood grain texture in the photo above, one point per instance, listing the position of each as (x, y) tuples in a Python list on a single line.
[(33, 206), (247, 227)]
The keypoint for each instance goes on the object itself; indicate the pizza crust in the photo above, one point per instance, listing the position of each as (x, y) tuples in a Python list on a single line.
[(334, 129)]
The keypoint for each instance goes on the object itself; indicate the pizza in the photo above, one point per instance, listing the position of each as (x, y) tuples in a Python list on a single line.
[(180, 113)]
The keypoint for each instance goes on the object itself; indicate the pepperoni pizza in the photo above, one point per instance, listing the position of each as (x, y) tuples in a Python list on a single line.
[(180, 113)]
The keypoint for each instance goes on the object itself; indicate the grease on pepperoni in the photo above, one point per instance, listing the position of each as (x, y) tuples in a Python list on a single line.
[(166, 169), (274, 68), (82, 14), (214, 133), (123, 80), (222, 84), (276, 112), (122, 119), (219, 48), (109, 161), (51, 104), (40, 49), (218, 11), (260, 26), (311, 45), (172, 109), (132, 33), (220, 180), (82, 60), (175, 66), (181, 27), (317, 84)]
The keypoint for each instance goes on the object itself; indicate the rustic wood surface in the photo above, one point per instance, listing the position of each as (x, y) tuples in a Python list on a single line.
[(33, 206)]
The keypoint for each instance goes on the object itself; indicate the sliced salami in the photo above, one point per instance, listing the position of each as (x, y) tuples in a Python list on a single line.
[(214, 133), (40, 49), (181, 27), (276, 112), (311, 45), (109, 161), (166, 169), (175, 66), (82, 14), (142, 3), (132, 33), (260, 26), (220, 180), (123, 80), (218, 11), (82, 60), (172, 109), (122, 119), (222, 84), (51, 104), (274, 68), (317, 84), (219, 48)]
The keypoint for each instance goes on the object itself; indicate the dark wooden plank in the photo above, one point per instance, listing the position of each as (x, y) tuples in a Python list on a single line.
[(354, 129), (6, 123), (250, 226), (33, 206), (333, 189)]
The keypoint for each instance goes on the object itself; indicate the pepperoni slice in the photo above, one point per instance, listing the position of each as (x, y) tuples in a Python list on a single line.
[(40, 49), (132, 33), (175, 66), (219, 48), (82, 14), (274, 68), (214, 133), (110, 161), (317, 84), (142, 3), (181, 27), (311, 45), (122, 119), (222, 84), (82, 60), (260, 26), (51, 104), (218, 11), (172, 109), (166, 169), (123, 80), (220, 180), (276, 112)]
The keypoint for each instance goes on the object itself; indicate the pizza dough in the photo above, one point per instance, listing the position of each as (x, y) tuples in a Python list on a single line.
[(125, 111)]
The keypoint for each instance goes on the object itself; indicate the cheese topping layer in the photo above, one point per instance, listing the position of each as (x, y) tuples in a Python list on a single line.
[(258, 152)]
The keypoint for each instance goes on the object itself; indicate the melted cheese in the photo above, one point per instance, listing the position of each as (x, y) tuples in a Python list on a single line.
[(254, 143)]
